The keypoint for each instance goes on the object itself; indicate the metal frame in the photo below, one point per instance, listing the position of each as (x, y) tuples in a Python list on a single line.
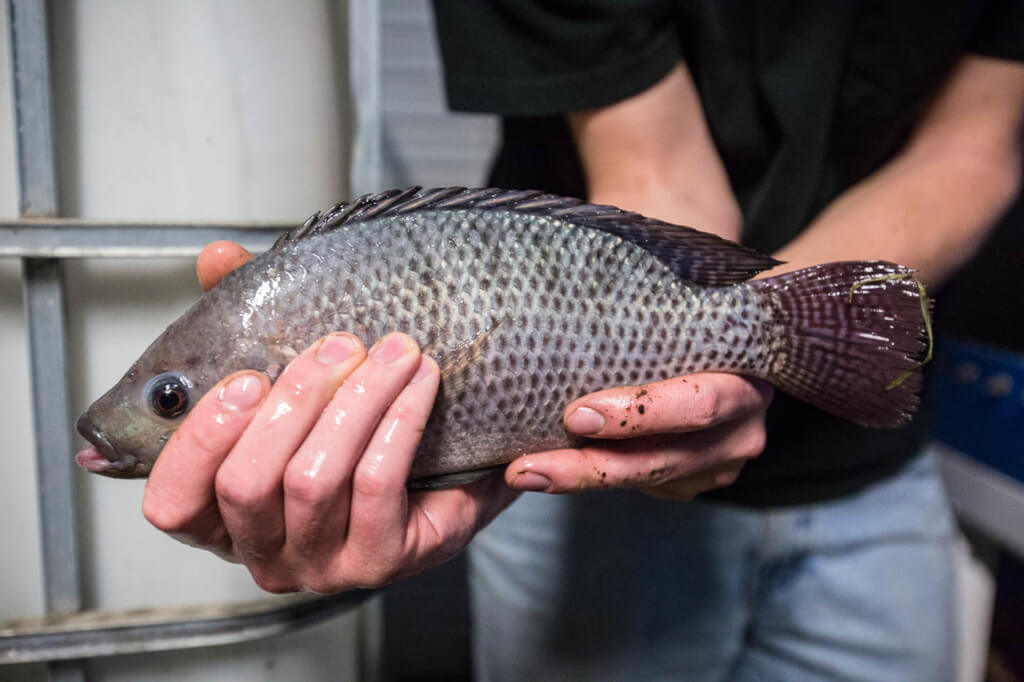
[(41, 240), (88, 634), (990, 501), (68, 238)]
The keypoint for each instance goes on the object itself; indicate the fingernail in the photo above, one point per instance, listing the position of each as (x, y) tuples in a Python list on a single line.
[(584, 420), (423, 371), (335, 349), (531, 481), (390, 348), (242, 393)]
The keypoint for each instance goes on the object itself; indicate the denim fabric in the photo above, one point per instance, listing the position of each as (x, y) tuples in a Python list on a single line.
[(618, 586)]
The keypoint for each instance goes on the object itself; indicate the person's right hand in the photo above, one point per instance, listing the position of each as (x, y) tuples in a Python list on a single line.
[(672, 439), (304, 481)]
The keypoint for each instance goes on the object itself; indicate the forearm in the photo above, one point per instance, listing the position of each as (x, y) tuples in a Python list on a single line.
[(933, 205), (653, 153)]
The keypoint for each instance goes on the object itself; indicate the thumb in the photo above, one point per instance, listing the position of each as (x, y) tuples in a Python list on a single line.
[(218, 259)]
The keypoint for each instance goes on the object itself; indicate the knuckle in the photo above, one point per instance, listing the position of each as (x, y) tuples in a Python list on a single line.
[(371, 482), (163, 516), (375, 577), (725, 478), (240, 491), (704, 408), (660, 470), (320, 585), (302, 488), (271, 581), (754, 442), (412, 412)]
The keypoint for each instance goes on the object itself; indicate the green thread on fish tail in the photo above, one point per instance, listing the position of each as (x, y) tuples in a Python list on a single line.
[(925, 314)]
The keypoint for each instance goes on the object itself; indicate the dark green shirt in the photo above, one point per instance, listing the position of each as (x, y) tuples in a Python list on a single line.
[(803, 99)]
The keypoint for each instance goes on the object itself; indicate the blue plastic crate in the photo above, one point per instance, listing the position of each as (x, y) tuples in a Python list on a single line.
[(979, 403)]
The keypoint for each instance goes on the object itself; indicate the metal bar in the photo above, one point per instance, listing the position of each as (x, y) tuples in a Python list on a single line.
[(69, 238), (89, 634), (365, 77), (30, 61), (44, 308), (990, 501), (44, 304), (44, 301)]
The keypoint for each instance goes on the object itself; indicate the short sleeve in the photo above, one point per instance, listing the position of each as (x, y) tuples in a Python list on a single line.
[(1001, 32), (539, 57)]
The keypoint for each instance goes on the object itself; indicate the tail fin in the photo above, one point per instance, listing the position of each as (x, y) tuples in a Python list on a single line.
[(851, 334)]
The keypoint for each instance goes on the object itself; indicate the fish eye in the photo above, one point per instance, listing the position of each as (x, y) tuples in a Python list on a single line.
[(169, 395)]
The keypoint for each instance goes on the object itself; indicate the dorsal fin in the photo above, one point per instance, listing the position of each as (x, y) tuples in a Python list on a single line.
[(691, 254)]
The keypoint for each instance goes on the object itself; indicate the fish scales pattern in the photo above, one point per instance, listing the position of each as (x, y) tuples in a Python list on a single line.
[(548, 311)]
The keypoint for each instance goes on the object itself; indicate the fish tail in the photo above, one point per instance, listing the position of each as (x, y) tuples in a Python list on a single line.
[(849, 337)]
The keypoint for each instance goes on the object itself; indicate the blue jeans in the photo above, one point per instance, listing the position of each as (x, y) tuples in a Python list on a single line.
[(619, 586)]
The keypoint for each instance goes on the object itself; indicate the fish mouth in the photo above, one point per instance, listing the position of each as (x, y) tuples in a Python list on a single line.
[(104, 457)]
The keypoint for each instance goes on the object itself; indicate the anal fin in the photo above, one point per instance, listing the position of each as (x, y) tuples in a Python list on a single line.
[(442, 481)]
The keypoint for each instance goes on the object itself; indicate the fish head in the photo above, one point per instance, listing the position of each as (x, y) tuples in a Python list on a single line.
[(130, 424)]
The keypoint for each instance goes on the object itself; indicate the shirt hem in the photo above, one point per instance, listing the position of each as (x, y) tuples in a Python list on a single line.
[(560, 93)]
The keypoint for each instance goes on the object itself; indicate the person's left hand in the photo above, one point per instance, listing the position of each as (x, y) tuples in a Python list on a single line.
[(673, 439)]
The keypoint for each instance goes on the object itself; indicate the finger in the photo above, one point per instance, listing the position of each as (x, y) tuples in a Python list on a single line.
[(364, 420), (179, 497), (379, 510), (394, 412), (218, 259), (689, 487), (248, 484), (442, 522), (637, 463), (676, 405)]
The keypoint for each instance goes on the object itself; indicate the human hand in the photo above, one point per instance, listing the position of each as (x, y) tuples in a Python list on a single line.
[(304, 481), (673, 439)]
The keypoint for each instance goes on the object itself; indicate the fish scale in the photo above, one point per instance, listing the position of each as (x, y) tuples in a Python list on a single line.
[(527, 301)]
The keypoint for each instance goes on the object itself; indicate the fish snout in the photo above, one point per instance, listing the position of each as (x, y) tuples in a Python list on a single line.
[(104, 457), (92, 433)]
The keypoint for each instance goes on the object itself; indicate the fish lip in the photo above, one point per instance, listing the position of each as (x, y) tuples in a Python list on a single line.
[(119, 460)]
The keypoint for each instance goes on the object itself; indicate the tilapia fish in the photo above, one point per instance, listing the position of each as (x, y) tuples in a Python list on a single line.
[(527, 301)]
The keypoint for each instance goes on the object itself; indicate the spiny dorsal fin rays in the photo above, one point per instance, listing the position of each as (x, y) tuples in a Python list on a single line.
[(692, 255)]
